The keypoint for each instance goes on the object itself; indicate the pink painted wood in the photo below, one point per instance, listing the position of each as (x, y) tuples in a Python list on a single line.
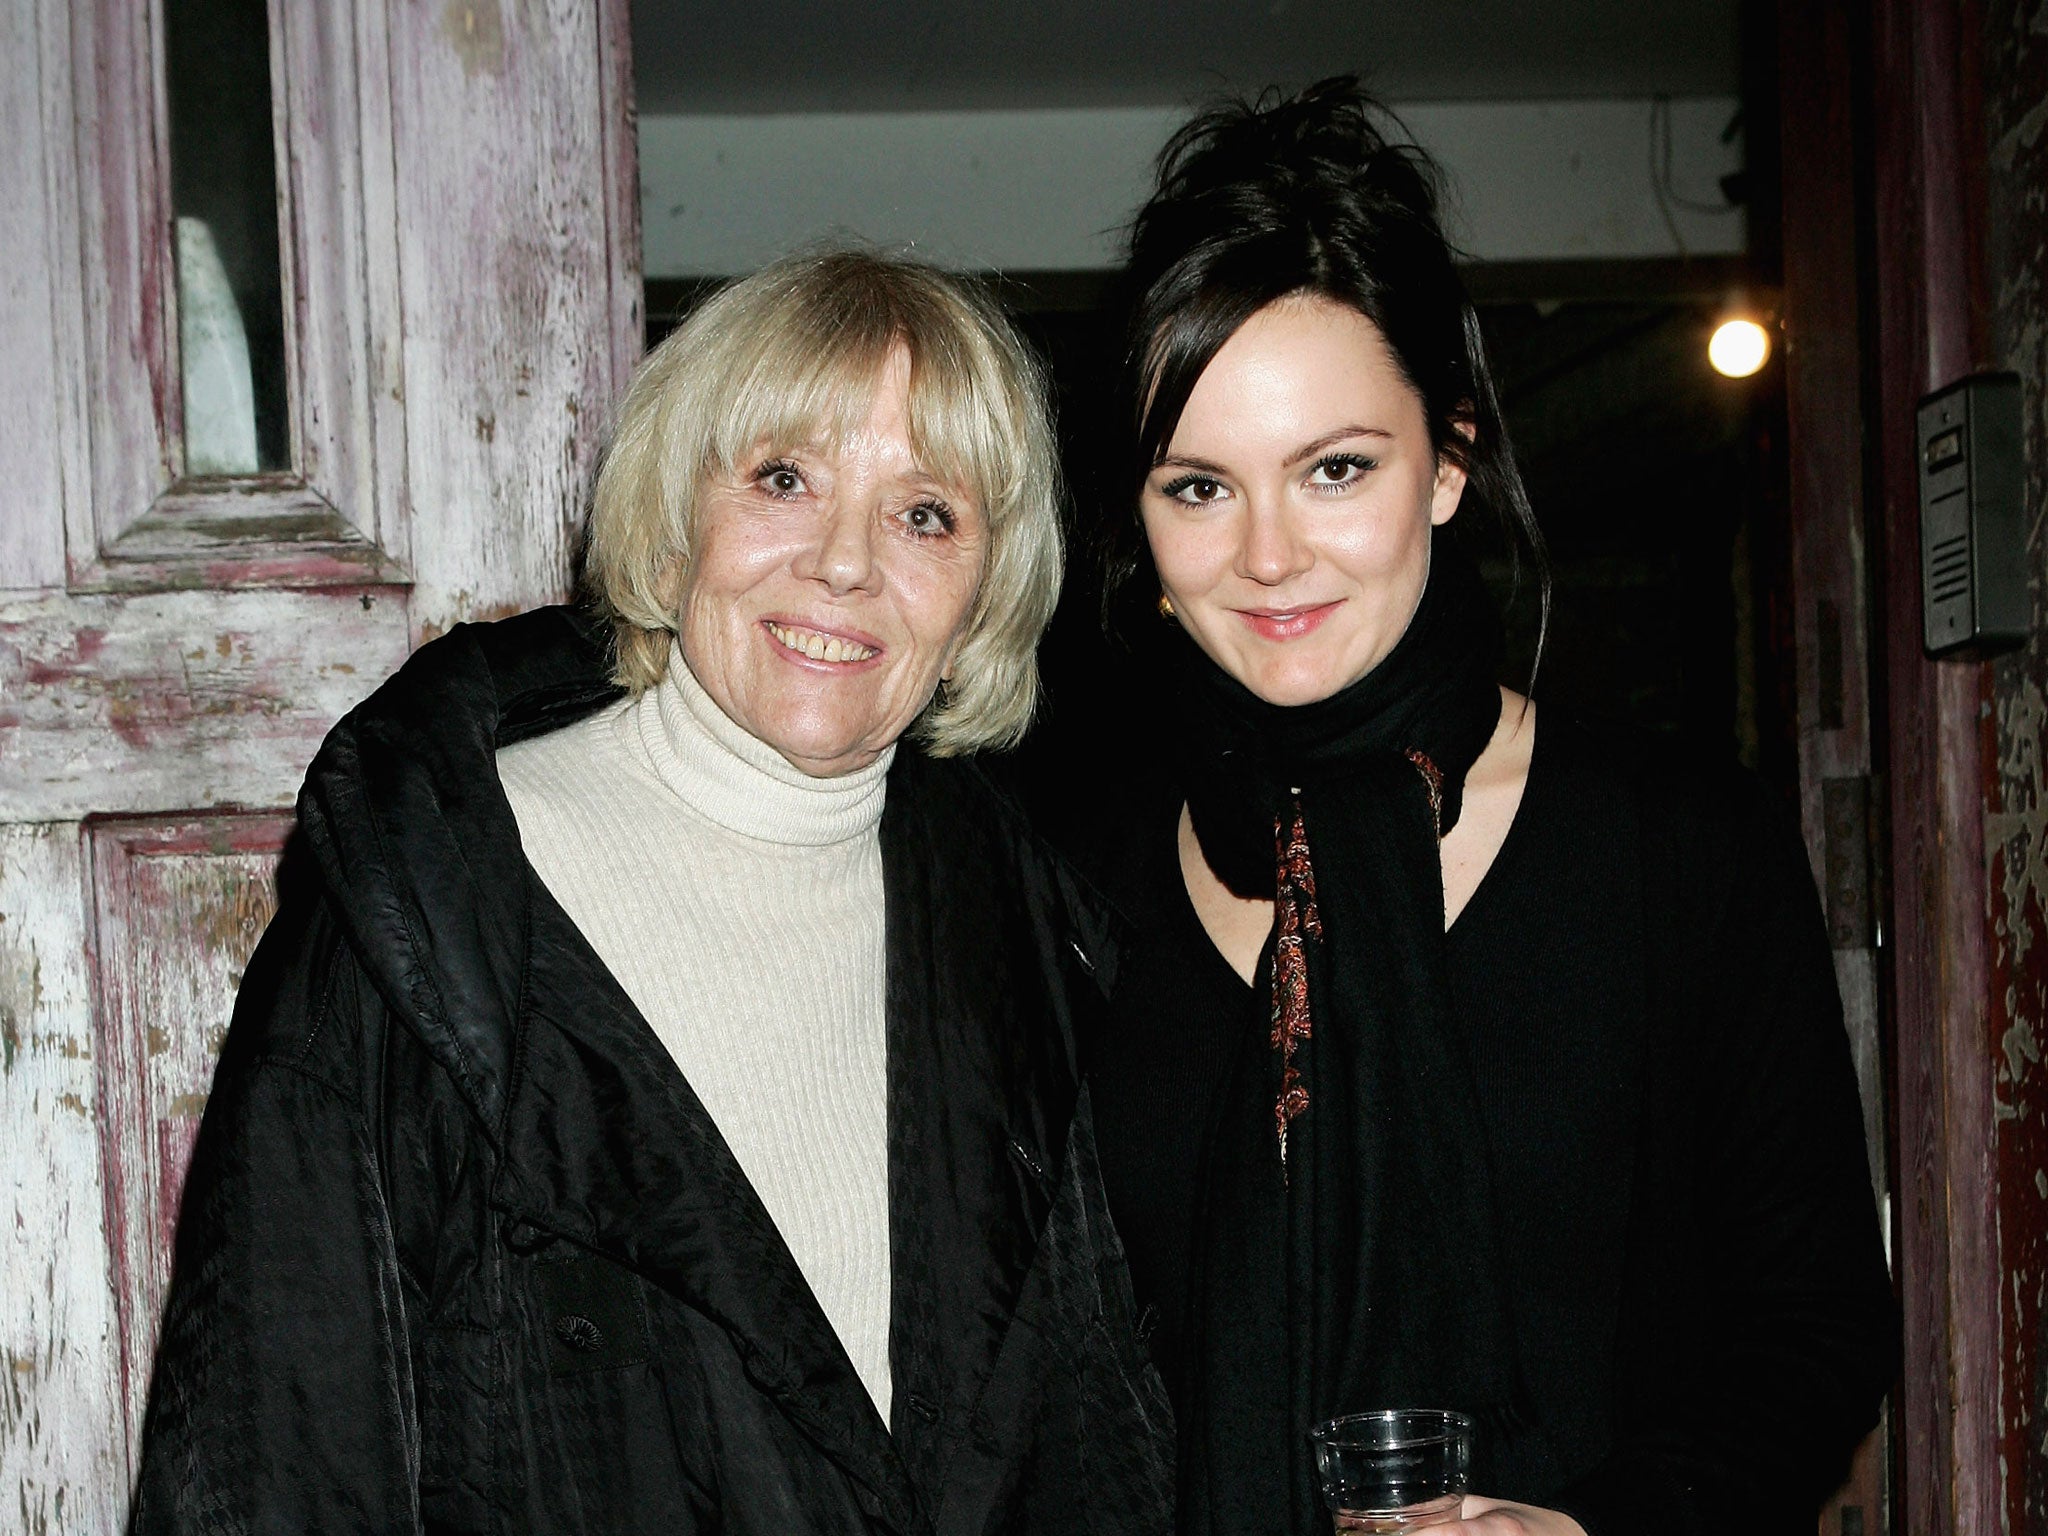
[(459, 215), (178, 908), (169, 700), (1929, 285), (338, 517)]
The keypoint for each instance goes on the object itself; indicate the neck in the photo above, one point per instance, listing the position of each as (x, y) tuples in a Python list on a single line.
[(738, 781), (1433, 699)]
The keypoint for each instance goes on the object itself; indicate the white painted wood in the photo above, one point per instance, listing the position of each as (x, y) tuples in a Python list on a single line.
[(331, 83), (374, 300), (128, 324), (68, 281), (63, 1459), (511, 293), (32, 499), (175, 700), (620, 149)]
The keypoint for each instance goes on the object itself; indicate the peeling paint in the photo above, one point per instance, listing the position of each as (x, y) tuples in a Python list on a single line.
[(2015, 119), (2017, 835), (21, 998), (149, 723), (2020, 1049), (2023, 135)]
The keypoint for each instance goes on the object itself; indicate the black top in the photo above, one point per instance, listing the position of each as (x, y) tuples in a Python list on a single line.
[(1702, 1315)]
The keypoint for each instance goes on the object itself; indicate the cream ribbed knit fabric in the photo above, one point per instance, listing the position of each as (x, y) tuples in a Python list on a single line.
[(739, 903)]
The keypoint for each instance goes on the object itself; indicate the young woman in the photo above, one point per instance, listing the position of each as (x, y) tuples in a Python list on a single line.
[(1463, 1058)]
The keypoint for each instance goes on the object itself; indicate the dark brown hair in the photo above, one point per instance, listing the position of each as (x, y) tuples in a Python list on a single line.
[(1305, 194)]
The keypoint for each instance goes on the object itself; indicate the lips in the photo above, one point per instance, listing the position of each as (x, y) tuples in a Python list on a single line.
[(1286, 623), (818, 644)]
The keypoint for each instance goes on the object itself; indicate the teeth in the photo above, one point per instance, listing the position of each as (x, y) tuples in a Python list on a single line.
[(809, 642)]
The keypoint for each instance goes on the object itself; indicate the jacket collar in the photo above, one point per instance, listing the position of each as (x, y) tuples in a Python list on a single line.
[(417, 845), (601, 1139)]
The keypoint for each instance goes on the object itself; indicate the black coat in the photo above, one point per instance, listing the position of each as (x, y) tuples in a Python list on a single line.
[(461, 1251)]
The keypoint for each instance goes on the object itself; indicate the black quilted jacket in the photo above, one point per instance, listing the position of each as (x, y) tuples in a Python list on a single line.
[(461, 1251)]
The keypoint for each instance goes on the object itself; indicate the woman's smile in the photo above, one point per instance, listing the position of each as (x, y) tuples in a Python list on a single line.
[(836, 649), (1288, 623)]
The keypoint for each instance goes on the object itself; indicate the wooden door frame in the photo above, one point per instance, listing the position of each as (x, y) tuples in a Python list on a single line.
[(1929, 326), (1886, 299)]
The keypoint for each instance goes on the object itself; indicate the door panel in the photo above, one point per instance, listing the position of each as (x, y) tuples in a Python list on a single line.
[(177, 909), (179, 700), (459, 253), (535, 329), (336, 515)]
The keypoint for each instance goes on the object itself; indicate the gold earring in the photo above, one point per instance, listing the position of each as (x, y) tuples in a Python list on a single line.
[(1166, 607)]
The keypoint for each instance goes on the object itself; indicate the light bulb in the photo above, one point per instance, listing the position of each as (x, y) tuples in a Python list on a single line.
[(1739, 348)]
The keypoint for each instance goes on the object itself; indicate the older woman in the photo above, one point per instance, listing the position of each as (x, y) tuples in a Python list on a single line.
[(658, 1110)]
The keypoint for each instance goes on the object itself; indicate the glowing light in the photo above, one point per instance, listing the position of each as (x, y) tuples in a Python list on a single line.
[(1739, 348)]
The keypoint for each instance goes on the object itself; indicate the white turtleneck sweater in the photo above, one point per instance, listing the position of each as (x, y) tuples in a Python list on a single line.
[(739, 902)]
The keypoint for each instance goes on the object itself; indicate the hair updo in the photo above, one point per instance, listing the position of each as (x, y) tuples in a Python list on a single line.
[(1306, 194)]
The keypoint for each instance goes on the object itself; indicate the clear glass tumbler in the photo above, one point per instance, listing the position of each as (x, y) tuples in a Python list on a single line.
[(1396, 1469)]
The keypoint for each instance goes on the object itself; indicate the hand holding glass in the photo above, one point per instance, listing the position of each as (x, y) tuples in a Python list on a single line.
[(1394, 1470)]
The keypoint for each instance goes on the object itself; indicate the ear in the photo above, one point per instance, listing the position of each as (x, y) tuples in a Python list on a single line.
[(1449, 489)]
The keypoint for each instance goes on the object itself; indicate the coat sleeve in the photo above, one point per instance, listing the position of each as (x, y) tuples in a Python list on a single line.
[(282, 1400), (1744, 1407)]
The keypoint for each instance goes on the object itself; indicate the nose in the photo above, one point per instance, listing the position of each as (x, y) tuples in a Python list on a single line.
[(843, 557), (1270, 553)]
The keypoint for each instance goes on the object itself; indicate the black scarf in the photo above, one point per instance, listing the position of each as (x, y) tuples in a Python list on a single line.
[(1346, 1250)]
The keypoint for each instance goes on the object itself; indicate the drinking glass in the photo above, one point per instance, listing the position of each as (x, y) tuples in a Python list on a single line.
[(1396, 1469)]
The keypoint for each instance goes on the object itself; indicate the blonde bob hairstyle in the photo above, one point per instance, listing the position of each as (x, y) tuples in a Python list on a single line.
[(791, 356)]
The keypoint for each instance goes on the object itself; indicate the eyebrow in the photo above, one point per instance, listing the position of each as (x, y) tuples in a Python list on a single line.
[(1331, 439), (1305, 451), (918, 478)]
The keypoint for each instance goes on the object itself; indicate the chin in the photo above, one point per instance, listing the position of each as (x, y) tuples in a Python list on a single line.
[(1290, 693), (804, 748), (1294, 681)]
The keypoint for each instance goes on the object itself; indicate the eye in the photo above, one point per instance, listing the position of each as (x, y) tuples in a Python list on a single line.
[(1194, 490), (1339, 469), (929, 519), (781, 479)]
